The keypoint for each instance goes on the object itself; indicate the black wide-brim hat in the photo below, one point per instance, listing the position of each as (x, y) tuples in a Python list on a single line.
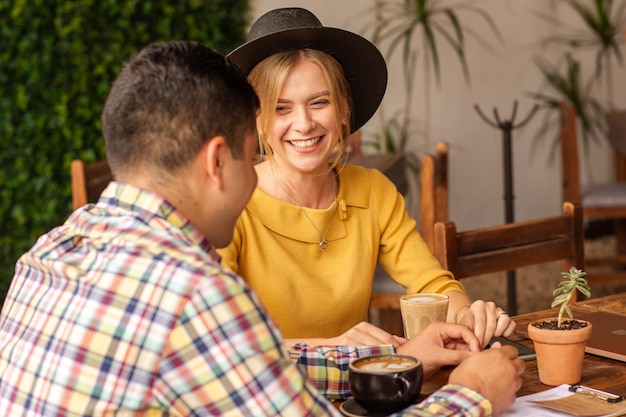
[(296, 28)]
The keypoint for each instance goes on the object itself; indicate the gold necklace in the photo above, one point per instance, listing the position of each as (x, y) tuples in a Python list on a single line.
[(323, 243)]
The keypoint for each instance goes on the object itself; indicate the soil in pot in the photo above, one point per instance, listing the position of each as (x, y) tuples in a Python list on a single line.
[(553, 324), (560, 352)]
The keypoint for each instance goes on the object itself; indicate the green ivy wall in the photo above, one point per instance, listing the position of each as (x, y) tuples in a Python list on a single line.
[(57, 61)]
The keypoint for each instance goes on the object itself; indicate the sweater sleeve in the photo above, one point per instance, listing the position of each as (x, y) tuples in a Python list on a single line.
[(403, 253)]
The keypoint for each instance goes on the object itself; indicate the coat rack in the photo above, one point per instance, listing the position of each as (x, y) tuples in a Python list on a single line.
[(507, 126)]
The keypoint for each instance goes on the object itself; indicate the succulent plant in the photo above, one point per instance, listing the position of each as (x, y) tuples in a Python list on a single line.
[(572, 281)]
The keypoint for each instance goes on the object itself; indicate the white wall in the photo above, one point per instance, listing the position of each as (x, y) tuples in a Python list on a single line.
[(498, 78)]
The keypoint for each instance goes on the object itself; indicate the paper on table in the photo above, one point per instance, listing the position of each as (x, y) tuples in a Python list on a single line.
[(525, 406)]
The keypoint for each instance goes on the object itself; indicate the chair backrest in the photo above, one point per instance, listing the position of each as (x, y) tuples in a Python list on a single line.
[(616, 124), (570, 174), (355, 143), (88, 181), (433, 192), (512, 246), (605, 199)]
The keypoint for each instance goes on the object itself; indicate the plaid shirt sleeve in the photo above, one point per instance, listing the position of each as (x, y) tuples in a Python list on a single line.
[(451, 401), (327, 366)]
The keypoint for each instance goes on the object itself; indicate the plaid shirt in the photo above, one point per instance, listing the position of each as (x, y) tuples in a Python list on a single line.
[(327, 366), (123, 311)]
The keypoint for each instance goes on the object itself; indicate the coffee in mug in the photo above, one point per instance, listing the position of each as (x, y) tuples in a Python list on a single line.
[(385, 383), (384, 363), (420, 309)]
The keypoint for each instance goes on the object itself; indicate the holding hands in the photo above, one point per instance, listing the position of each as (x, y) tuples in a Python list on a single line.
[(495, 373), (439, 344), (484, 319)]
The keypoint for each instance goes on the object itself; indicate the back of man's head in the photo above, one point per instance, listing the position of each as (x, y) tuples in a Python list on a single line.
[(167, 101)]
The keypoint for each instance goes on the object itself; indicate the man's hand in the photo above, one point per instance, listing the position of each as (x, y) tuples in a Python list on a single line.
[(441, 344), (495, 373)]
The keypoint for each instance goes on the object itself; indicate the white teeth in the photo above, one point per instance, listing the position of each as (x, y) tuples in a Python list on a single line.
[(302, 144)]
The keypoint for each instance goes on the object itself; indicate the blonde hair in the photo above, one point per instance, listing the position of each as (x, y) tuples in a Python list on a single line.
[(268, 77)]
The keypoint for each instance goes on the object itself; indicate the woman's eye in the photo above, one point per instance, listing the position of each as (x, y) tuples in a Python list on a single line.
[(318, 103), (281, 109)]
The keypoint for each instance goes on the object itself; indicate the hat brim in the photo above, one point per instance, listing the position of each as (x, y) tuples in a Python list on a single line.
[(363, 64)]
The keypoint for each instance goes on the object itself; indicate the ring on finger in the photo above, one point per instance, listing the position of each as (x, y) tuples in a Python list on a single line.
[(502, 313)]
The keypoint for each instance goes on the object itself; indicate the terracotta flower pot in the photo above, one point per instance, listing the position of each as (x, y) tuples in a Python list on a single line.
[(560, 353)]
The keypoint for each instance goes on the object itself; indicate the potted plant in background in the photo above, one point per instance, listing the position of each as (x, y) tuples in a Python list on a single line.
[(568, 85), (599, 27), (419, 27), (560, 342), (604, 28)]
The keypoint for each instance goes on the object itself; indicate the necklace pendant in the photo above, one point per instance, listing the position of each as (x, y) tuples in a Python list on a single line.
[(323, 244)]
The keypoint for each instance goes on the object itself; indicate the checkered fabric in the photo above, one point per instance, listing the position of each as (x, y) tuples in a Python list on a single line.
[(122, 311)]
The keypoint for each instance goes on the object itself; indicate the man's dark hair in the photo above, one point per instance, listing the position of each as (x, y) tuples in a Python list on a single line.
[(168, 100)]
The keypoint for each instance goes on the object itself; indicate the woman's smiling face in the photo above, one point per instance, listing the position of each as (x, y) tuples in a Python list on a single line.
[(304, 132)]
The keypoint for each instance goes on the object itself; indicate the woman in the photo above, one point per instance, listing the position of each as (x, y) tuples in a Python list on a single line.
[(312, 234)]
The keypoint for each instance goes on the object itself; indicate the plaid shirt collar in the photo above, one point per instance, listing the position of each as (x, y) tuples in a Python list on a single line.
[(150, 206)]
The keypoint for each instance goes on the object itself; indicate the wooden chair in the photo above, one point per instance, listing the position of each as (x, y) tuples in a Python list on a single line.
[(89, 181), (433, 192), (433, 208), (355, 143), (511, 246), (600, 201)]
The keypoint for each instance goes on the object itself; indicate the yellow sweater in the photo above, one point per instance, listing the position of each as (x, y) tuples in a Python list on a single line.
[(322, 294)]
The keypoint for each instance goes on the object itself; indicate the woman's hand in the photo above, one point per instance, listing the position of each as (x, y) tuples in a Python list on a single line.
[(487, 320), (366, 334)]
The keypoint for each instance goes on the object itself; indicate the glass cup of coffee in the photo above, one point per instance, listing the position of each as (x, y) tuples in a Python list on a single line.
[(420, 309), (384, 384)]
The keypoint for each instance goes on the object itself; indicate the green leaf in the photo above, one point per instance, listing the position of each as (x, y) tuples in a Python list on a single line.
[(424, 21), (57, 62), (586, 292)]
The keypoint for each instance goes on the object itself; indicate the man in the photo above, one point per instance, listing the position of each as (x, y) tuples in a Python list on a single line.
[(125, 309)]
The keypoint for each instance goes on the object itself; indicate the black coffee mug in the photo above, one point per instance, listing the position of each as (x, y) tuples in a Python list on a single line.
[(385, 383)]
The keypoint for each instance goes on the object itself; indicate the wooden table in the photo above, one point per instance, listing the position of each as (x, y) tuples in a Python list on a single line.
[(598, 372)]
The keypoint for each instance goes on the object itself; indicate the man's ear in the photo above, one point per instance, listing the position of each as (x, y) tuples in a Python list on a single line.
[(214, 154)]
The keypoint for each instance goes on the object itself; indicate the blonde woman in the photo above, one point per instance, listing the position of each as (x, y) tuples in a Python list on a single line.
[(314, 230)]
